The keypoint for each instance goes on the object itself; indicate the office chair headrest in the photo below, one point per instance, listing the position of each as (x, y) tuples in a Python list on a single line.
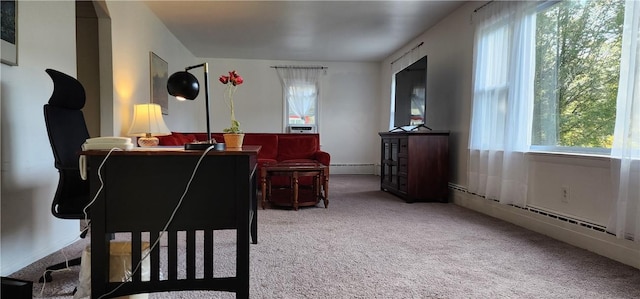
[(67, 91)]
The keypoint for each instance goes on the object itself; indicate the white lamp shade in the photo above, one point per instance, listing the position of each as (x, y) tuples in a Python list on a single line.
[(147, 119)]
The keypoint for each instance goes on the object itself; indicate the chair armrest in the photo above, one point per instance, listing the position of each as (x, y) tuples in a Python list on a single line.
[(322, 157)]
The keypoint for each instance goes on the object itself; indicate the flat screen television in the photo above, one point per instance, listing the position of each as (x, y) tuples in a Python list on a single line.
[(411, 94)]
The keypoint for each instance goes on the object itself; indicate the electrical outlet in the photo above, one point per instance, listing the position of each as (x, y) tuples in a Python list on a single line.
[(565, 194)]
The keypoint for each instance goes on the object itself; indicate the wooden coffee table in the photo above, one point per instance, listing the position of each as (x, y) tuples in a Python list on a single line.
[(294, 171)]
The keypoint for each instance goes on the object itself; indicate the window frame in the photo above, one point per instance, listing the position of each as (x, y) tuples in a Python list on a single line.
[(572, 150), (287, 105)]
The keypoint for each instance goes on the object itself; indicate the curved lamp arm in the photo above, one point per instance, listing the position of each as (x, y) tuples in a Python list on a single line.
[(184, 86)]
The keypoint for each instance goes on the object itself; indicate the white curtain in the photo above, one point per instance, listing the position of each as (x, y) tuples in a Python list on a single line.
[(300, 88), (625, 153), (504, 66)]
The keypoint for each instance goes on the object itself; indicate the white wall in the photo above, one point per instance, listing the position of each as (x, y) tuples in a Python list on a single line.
[(46, 39), (449, 46), (347, 117), (136, 31), (588, 180), (348, 96), (449, 50)]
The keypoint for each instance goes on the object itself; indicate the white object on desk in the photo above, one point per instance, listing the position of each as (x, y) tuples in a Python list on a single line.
[(102, 143), (107, 143), (108, 139)]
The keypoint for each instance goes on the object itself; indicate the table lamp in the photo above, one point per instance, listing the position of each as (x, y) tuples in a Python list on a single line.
[(184, 86), (148, 123)]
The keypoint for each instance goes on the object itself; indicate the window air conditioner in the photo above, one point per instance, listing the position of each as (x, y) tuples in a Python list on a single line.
[(301, 129)]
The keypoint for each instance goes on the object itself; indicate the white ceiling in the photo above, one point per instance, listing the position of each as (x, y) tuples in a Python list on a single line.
[(299, 30)]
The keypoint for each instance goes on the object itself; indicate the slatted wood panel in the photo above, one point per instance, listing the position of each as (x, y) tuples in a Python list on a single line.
[(140, 193)]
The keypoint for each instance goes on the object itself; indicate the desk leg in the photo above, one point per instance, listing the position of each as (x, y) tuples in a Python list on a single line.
[(325, 186), (242, 263), (263, 181), (254, 207), (295, 190), (317, 187)]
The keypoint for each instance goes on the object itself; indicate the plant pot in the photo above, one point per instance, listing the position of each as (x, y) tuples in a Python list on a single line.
[(233, 140)]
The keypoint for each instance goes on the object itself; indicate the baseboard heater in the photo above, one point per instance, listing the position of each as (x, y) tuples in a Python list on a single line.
[(539, 211), (352, 168), (358, 165)]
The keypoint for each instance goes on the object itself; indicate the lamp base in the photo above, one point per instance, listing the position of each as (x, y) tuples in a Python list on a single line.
[(148, 141), (201, 146)]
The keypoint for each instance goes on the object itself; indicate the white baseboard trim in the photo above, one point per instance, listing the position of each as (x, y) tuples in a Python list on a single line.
[(13, 265), (351, 168), (585, 236)]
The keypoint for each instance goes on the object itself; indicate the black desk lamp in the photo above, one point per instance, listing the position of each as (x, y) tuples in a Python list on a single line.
[(185, 86)]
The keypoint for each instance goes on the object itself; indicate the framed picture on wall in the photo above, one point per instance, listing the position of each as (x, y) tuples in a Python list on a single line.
[(159, 75), (9, 36)]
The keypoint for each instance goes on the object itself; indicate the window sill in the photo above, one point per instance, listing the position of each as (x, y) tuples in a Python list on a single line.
[(580, 159)]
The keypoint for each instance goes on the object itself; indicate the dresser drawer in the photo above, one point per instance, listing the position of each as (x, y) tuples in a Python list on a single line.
[(403, 145), (402, 184), (403, 165)]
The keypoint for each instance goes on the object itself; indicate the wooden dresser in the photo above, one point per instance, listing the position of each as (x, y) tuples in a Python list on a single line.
[(415, 165)]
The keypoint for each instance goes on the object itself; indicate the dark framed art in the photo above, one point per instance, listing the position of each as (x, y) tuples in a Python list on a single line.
[(159, 76), (9, 36)]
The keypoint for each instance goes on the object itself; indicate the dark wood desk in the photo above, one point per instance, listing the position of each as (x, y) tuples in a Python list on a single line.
[(141, 190)]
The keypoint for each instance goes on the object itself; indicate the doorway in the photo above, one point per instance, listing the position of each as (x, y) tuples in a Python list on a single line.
[(94, 67)]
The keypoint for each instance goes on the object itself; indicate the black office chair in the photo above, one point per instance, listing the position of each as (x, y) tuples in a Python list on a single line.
[(67, 132)]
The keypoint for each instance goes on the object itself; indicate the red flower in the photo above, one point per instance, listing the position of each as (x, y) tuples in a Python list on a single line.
[(237, 80), (233, 77), (230, 90)]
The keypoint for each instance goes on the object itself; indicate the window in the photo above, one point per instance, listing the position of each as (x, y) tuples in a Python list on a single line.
[(577, 66), (300, 94), (503, 79), (570, 84), (302, 102)]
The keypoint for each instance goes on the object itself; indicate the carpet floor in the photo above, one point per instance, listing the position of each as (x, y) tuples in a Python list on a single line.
[(370, 244)]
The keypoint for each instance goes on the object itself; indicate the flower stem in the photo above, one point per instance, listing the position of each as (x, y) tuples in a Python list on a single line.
[(229, 101)]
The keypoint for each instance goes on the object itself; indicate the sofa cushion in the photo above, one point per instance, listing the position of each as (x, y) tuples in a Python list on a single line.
[(216, 136), (185, 138), (297, 146), (176, 139), (169, 140), (269, 143)]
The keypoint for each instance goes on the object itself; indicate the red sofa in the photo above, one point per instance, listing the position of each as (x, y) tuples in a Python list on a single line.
[(276, 147)]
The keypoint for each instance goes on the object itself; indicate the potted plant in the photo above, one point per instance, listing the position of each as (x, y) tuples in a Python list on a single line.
[(233, 135)]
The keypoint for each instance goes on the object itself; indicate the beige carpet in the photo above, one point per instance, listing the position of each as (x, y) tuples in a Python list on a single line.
[(370, 244)]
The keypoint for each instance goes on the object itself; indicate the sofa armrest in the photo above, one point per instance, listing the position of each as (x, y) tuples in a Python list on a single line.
[(322, 157)]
